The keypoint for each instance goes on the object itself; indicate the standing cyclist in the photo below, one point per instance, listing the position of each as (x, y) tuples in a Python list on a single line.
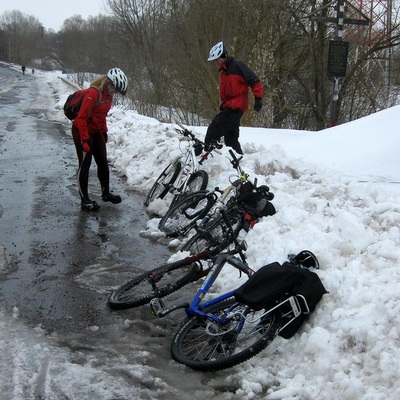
[(235, 81), (89, 131)]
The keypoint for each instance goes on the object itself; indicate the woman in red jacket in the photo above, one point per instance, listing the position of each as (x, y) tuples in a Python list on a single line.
[(89, 131), (236, 79)]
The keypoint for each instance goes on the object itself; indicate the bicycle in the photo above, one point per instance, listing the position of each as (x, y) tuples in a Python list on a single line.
[(242, 211), (223, 332), (184, 215), (163, 280), (183, 175), (215, 233)]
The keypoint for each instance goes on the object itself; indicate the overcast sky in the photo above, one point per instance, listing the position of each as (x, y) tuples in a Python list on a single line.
[(52, 14)]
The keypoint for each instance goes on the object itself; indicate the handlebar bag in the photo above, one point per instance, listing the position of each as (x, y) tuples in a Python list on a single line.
[(255, 201)]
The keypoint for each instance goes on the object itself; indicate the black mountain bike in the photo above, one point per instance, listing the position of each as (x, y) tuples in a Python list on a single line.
[(242, 200), (167, 278)]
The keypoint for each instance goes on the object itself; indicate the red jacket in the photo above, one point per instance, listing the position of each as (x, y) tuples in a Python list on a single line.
[(92, 117), (236, 79)]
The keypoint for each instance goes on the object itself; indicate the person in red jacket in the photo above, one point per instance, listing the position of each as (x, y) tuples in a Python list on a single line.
[(89, 131), (235, 81)]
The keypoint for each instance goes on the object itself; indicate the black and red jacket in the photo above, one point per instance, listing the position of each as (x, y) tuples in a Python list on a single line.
[(236, 79), (92, 116)]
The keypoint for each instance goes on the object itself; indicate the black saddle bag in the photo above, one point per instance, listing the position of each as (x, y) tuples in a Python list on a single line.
[(274, 282)]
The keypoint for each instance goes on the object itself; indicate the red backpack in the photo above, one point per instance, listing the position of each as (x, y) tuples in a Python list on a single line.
[(74, 102)]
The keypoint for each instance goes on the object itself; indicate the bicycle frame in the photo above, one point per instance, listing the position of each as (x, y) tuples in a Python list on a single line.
[(224, 194), (221, 200), (196, 306), (242, 177), (190, 162), (190, 165)]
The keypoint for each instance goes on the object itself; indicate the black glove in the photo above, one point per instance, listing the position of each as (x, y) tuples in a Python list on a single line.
[(209, 147), (257, 104)]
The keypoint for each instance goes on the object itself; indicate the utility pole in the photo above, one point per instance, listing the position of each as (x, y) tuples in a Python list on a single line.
[(338, 52), (338, 48)]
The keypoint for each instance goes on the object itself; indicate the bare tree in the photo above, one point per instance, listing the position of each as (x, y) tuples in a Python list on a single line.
[(86, 45), (163, 46), (24, 36)]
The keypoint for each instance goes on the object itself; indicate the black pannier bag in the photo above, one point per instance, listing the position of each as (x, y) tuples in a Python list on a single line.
[(274, 282), (256, 199)]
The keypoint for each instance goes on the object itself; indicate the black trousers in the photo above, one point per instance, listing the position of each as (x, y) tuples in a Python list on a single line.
[(99, 152), (226, 124)]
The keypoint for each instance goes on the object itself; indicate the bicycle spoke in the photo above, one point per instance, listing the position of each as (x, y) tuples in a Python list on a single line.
[(238, 335)]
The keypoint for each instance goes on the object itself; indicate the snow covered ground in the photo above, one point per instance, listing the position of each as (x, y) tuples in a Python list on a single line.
[(337, 193)]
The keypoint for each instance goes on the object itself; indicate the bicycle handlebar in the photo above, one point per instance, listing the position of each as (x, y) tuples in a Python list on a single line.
[(210, 149), (185, 132), (236, 161)]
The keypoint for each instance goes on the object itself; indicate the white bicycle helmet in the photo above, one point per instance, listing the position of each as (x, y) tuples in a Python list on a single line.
[(119, 80), (217, 51)]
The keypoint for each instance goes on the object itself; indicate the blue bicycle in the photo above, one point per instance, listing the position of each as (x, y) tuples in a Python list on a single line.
[(237, 325), (225, 331)]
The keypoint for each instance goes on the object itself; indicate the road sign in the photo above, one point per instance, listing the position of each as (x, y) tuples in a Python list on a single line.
[(337, 58)]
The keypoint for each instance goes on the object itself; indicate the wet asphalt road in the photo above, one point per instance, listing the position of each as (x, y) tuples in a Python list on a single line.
[(58, 264), (47, 239)]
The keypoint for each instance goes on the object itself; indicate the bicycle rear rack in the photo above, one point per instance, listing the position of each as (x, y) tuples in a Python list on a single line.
[(296, 309)]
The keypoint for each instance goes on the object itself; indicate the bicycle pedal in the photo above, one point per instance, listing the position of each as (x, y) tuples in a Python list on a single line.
[(157, 307)]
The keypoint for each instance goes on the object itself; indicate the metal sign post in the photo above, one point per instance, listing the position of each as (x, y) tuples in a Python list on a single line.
[(338, 49), (337, 65), (337, 62)]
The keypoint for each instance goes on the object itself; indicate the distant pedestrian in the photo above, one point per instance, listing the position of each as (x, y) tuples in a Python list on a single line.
[(23, 69), (33, 71), (89, 131), (235, 81)]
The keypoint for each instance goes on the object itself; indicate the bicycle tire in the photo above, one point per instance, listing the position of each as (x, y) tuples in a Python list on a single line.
[(164, 182), (197, 181), (182, 217), (141, 289), (204, 345), (214, 235)]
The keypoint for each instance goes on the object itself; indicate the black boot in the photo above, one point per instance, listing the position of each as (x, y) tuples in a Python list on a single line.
[(113, 198), (89, 205)]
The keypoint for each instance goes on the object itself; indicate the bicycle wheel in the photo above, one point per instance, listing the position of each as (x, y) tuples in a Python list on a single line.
[(182, 217), (197, 181), (205, 345), (158, 282), (215, 234), (164, 182)]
